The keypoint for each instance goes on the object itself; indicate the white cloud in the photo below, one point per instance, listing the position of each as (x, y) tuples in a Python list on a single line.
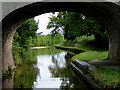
[(43, 22)]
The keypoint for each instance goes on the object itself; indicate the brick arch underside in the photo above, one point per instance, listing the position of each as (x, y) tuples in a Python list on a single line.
[(107, 14)]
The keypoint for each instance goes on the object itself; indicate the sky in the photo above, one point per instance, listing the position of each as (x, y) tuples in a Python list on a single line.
[(43, 22)]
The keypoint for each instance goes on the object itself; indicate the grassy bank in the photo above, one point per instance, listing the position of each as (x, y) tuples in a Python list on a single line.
[(105, 77), (108, 78), (89, 53)]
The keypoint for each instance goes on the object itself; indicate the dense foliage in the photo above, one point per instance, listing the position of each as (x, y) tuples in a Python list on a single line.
[(48, 40), (75, 24), (25, 34)]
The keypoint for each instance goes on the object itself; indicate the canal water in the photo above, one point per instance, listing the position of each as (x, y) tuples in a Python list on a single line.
[(49, 68)]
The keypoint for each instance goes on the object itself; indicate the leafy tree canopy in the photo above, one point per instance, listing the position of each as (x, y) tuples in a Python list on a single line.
[(74, 24), (25, 32)]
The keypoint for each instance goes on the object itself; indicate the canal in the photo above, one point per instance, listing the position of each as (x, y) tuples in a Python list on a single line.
[(50, 68)]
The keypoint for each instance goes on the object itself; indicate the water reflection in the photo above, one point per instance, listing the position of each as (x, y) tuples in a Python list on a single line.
[(25, 76), (58, 60), (67, 77), (45, 64), (50, 70)]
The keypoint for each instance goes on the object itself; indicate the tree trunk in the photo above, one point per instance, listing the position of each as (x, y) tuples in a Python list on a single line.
[(114, 47)]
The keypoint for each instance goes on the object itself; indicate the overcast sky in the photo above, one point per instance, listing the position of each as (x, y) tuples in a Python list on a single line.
[(43, 22)]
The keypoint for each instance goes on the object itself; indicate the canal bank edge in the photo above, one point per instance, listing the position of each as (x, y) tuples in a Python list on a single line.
[(101, 68), (82, 68), (71, 49)]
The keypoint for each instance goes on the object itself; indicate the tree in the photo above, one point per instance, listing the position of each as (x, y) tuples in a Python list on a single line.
[(75, 24), (26, 32)]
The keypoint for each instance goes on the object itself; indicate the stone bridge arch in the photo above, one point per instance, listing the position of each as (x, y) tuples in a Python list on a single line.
[(106, 13)]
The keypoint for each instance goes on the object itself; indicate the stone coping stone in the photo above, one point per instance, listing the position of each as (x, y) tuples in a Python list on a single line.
[(106, 64), (83, 64), (86, 78)]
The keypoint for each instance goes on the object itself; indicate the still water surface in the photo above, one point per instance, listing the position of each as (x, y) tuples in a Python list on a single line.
[(50, 68)]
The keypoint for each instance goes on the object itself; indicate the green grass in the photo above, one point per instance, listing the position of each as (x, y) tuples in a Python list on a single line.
[(91, 55), (109, 78)]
